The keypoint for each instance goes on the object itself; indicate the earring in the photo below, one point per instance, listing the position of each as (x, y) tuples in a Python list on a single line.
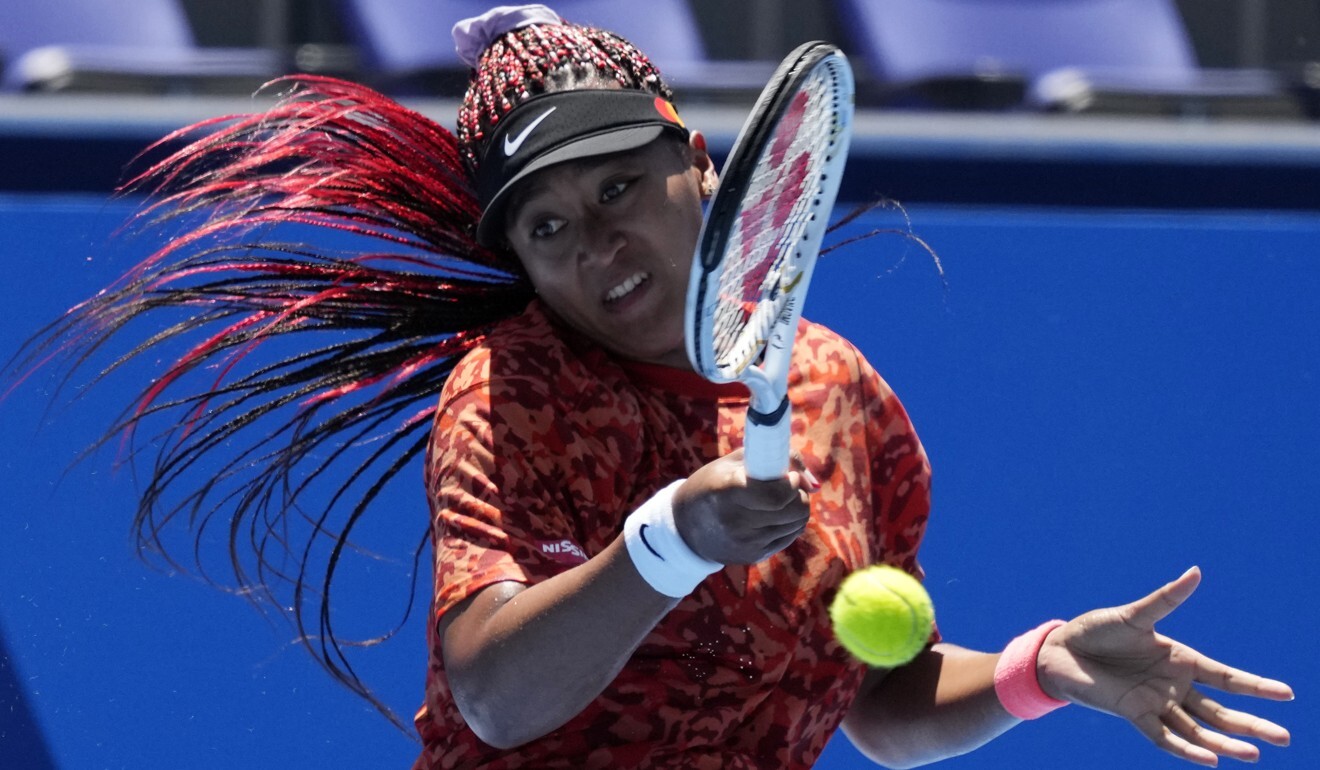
[(707, 188)]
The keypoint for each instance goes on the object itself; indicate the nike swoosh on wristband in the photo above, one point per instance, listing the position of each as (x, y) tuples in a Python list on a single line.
[(642, 534), (510, 147)]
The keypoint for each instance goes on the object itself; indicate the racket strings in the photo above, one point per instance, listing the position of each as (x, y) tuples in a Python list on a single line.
[(762, 255)]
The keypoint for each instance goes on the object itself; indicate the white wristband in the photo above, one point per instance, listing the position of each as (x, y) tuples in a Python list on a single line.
[(658, 551)]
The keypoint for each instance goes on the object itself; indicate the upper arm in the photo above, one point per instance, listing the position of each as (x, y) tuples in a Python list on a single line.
[(462, 623), (863, 724), (941, 704), (462, 630), (492, 509)]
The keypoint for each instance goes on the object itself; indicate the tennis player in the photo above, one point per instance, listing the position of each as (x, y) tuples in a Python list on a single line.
[(559, 639), (611, 591)]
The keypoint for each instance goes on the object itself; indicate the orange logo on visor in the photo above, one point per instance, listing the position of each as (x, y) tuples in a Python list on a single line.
[(667, 111)]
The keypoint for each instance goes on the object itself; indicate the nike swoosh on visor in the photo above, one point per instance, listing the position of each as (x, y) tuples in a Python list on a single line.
[(511, 146)]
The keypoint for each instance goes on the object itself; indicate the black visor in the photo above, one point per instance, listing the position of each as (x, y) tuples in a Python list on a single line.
[(562, 126)]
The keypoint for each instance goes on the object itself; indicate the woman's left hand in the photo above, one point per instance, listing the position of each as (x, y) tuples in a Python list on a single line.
[(1113, 660)]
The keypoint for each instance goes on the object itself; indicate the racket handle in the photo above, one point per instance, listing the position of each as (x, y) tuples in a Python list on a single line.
[(766, 442)]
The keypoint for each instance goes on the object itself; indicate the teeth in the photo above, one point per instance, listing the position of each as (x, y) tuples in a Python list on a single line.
[(625, 288)]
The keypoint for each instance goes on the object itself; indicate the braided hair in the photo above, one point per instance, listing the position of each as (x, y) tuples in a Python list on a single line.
[(540, 58), (310, 372)]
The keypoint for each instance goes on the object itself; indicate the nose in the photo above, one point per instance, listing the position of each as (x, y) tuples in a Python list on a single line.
[(602, 239)]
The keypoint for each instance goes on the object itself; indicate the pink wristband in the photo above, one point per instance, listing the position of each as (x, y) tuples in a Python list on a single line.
[(1015, 675)]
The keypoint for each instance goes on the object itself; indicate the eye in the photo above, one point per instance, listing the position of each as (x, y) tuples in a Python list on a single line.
[(547, 227), (614, 190)]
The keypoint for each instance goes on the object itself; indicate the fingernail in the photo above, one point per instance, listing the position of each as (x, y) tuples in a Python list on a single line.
[(812, 482)]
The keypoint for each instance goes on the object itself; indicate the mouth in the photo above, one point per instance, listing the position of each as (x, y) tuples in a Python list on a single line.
[(626, 287)]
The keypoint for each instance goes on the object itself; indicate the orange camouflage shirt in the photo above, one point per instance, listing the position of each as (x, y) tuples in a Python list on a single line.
[(544, 443)]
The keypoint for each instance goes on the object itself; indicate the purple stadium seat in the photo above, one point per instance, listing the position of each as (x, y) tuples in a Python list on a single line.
[(1048, 54), (401, 39), (108, 44)]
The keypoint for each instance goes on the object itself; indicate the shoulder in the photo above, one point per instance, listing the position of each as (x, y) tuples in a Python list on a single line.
[(531, 379), (821, 339), (530, 331), (525, 356), (830, 370), (824, 355)]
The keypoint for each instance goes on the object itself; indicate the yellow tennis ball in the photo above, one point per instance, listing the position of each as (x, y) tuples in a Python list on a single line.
[(882, 615)]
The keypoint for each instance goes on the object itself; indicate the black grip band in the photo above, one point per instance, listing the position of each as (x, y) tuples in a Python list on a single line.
[(768, 418)]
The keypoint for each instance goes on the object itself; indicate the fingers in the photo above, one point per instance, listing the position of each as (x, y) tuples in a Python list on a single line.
[(1239, 682), (1217, 743), (786, 496), (726, 517), (1197, 730), (774, 503), (1145, 612), (1182, 736), (805, 479), (1166, 738), (785, 540), (1236, 722)]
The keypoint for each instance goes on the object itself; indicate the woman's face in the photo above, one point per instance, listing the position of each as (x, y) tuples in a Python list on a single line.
[(608, 244)]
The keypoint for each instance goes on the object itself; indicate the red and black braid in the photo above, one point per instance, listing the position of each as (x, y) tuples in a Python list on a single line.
[(325, 283)]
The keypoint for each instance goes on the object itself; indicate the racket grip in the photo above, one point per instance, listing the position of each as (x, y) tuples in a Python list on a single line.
[(766, 442)]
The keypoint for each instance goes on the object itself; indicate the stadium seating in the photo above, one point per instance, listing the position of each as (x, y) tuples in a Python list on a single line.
[(137, 45), (1067, 55), (406, 44)]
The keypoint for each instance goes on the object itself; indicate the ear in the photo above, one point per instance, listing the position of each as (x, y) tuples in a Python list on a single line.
[(703, 163)]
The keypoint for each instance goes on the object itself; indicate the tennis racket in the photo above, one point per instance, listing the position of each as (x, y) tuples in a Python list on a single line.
[(760, 238)]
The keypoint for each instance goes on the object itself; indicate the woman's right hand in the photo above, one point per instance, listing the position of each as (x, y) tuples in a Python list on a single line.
[(726, 517)]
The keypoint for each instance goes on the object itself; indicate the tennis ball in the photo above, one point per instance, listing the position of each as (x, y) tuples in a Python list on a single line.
[(882, 615)]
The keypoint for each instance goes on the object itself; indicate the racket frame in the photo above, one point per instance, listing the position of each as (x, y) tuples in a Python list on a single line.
[(768, 430)]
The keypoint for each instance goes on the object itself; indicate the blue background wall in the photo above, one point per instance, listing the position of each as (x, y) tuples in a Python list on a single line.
[(1107, 396)]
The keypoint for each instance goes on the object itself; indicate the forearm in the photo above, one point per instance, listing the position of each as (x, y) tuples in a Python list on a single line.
[(525, 665), (942, 704)]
